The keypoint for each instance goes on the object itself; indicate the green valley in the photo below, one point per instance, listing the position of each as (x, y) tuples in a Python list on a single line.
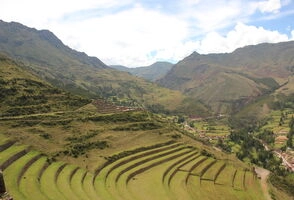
[(73, 128)]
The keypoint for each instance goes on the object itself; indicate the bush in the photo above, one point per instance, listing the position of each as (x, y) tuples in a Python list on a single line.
[(282, 183), (78, 149)]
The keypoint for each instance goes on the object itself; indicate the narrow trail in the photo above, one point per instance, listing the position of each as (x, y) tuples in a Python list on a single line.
[(263, 174)]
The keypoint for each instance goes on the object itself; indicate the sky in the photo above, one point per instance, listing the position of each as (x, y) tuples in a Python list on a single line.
[(137, 33)]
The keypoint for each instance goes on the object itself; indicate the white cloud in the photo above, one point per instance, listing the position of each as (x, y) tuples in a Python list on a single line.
[(240, 36), (271, 6), (208, 15), (39, 13), (126, 37), (131, 33)]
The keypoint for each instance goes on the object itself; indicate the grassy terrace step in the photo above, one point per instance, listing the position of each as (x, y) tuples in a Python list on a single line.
[(77, 186), (208, 190), (5, 143), (188, 167), (202, 167), (239, 180), (48, 181), (11, 154), (177, 169), (26, 166), (130, 175), (63, 182), (226, 177), (126, 163), (168, 174), (29, 184), (212, 173), (177, 186), (148, 184), (87, 183), (103, 183), (141, 170), (105, 171), (13, 172), (147, 159)]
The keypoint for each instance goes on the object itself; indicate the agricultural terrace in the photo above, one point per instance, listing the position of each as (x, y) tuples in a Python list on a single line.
[(169, 170)]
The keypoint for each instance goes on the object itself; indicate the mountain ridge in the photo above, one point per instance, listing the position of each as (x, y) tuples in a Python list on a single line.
[(152, 72), (231, 78), (45, 35)]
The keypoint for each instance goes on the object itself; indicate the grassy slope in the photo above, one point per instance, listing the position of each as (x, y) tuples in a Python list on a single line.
[(22, 93)]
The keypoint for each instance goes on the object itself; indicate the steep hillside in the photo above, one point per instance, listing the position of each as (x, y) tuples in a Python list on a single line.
[(23, 93), (74, 71), (226, 80), (152, 73)]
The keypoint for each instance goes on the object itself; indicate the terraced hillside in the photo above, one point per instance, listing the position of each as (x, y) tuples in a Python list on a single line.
[(22, 93), (46, 56), (168, 170)]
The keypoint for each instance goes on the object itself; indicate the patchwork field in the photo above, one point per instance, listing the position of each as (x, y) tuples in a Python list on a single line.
[(279, 124)]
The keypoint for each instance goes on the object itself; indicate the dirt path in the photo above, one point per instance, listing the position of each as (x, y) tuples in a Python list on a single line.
[(263, 174)]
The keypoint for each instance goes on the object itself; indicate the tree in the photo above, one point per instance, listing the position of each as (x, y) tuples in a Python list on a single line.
[(290, 134)]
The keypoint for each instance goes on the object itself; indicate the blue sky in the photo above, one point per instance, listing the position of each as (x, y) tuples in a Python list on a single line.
[(140, 32)]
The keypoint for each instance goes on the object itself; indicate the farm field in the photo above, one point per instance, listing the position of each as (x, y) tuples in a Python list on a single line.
[(211, 129), (279, 124), (171, 170)]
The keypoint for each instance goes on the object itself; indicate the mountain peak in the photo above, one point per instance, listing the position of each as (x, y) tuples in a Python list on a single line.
[(41, 46)]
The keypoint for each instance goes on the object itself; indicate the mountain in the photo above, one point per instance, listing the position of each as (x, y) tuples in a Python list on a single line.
[(152, 73), (22, 93), (230, 80), (47, 57)]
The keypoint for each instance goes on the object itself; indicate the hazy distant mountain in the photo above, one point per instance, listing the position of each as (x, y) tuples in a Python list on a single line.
[(74, 71), (223, 80), (151, 73)]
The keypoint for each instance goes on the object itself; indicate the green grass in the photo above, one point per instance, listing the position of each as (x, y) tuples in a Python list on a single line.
[(172, 169), (11, 152), (155, 173), (12, 174), (137, 153), (77, 186), (3, 140), (108, 175), (212, 172), (239, 180), (149, 185), (122, 170), (48, 184), (30, 185), (202, 167), (191, 165), (131, 174), (92, 193), (150, 182), (178, 188), (63, 182), (226, 176)]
